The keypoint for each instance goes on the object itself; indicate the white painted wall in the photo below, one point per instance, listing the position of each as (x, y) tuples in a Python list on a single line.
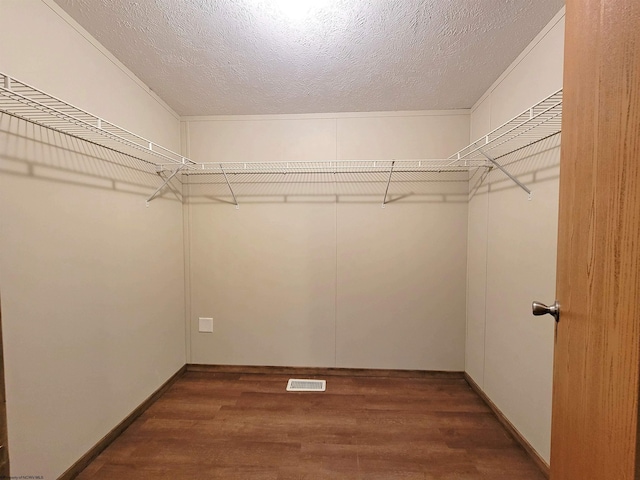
[(512, 251), (314, 272), (91, 280), (311, 273)]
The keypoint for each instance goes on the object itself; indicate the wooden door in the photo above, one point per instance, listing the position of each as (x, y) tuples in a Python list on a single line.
[(4, 449), (597, 354)]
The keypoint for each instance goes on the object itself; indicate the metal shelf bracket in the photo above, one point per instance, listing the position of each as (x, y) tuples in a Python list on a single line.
[(386, 192), (506, 172), (164, 184), (230, 189)]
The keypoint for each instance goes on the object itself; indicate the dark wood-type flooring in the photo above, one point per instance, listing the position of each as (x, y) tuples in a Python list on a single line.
[(246, 426)]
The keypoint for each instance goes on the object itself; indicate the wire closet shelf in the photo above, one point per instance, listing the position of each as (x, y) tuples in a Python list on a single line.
[(26, 102)]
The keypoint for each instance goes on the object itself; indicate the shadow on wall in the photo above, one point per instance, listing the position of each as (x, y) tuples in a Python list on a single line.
[(30, 150), (534, 164), (361, 187), (531, 164), (34, 151)]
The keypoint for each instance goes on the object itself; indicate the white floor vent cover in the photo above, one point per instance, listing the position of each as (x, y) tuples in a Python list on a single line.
[(301, 385)]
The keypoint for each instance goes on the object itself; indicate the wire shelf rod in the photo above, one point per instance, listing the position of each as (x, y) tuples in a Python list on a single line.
[(345, 166), (551, 105), (111, 149), (531, 134), (196, 173), (24, 101)]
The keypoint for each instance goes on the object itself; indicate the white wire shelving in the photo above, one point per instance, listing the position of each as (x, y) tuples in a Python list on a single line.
[(26, 102), (541, 121)]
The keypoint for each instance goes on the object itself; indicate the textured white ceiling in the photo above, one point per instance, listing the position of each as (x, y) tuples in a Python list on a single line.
[(213, 57)]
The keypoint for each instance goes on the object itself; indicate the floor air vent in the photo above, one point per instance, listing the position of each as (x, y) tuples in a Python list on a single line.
[(300, 385)]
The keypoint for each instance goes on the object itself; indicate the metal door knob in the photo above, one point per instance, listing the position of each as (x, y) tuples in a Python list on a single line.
[(542, 309)]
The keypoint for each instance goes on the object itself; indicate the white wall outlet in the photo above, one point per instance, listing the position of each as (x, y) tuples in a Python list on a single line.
[(205, 325)]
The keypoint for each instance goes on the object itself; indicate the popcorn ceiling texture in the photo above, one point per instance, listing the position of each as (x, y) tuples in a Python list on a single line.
[(218, 57)]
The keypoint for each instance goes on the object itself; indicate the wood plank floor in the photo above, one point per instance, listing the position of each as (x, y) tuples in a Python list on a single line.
[(246, 426)]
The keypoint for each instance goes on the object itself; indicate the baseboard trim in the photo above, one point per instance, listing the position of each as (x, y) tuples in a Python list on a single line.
[(321, 371), (517, 436), (75, 469)]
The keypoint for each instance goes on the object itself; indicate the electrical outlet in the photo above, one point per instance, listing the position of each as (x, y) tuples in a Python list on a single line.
[(205, 325)]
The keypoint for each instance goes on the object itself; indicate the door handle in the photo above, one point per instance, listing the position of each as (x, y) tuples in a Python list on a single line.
[(542, 309)]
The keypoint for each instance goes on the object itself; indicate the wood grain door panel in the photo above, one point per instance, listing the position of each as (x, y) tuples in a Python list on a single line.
[(597, 354), (4, 444)]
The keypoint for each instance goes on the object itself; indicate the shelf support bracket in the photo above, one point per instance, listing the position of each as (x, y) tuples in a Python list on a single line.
[(166, 182), (504, 170), (229, 185), (386, 192)]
